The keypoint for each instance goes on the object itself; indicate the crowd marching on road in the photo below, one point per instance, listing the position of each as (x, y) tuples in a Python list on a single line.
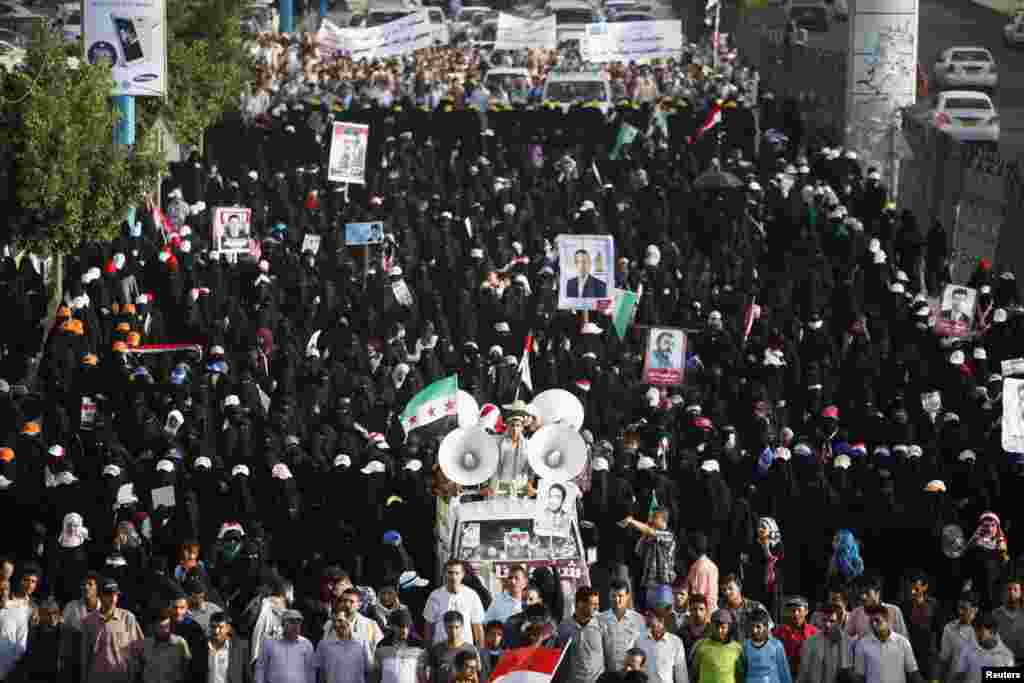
[(210, 460)]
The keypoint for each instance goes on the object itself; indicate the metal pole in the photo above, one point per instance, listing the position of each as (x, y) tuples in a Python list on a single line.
[(124, 130), (715, 37), (287, 22)]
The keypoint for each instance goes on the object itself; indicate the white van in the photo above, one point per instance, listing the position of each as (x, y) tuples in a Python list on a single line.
[(567, 89)]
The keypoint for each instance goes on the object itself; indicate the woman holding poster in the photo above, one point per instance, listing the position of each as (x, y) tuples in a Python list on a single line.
[(665, 358), (232, 229)]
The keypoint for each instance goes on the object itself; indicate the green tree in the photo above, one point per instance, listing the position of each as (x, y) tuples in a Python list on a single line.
[(207, 67), (60, 125), (71, 182)]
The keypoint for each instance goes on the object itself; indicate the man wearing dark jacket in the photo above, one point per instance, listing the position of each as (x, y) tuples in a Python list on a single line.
[(224, 656)]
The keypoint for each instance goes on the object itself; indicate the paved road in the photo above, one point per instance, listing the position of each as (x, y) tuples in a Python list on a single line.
[(943, 24)]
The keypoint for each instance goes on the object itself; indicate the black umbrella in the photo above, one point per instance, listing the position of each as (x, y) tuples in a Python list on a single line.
[(717, 181)]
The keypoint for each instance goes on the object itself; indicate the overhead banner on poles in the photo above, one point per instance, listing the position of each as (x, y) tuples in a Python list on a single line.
[(632, 41), (131, 36)]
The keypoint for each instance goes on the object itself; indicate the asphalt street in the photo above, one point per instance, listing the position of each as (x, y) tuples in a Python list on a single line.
[(944, 24)]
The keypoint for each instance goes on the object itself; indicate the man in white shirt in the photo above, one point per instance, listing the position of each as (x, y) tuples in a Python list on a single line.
[(14, 625), (882, 655), (871, 596), (77, 610), (622, 627), (510, 601), (454, 596), (988, 651), (362, 629), (957, 635), (666, 656)]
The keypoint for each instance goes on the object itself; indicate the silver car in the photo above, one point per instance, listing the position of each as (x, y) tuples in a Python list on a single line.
[(964, 115), (966, 67)]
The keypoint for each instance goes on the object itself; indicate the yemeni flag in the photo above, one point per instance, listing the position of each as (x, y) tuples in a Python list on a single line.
[(525, 376), (714, 118), (623, 311), (528, 665), (435, 406), (625, 137)]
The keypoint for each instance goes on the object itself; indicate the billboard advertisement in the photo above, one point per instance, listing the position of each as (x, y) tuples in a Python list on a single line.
[(131, 36)]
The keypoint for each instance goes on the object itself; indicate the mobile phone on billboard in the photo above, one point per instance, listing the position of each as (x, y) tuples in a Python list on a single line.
[(128, 37)]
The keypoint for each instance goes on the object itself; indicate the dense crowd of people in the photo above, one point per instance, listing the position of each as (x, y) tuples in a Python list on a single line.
[(205, 478)]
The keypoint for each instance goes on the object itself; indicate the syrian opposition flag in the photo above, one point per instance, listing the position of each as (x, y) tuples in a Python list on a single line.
[(714, 118), (527, 665), (437, 405), (623, 139), (623, 311)]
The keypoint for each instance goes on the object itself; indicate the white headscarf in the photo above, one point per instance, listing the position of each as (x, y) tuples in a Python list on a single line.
[(73, 532)]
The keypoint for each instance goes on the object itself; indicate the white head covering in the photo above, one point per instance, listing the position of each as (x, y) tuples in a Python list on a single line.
[(73, 532)]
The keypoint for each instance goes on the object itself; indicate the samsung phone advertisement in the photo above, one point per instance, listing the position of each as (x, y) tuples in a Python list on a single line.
[(131, 36)]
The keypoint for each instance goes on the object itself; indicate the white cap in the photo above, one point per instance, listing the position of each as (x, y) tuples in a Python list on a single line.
[(232, 401), (915, 451), (281, 471), (966, 455), (112, 470), (897, 288), (591, 328), (645, 463), (600, 464), (476, 253), (240, 469), (502, 327), (980, 353), (165, 466), (374, 467), (396, 272), (999, 315), (874, 246), (956, 358), (710, 466), (842, 462), (414, 465), (216, 350), (342, 459), (203, 462)]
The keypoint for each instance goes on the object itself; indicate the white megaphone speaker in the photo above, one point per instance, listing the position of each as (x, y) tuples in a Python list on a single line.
[(557, 453), (468, 456), (559, 407), (467, 409)]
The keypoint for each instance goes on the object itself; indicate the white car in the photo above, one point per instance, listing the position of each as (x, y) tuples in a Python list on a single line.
[(966, 67), (572, 17), (965, 115), (11, 56), (1013, 33), (464, 21), (566, 89)]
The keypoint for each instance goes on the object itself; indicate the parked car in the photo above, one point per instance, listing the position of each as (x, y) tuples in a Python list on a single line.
[(965, 115), (966, 67), (464, 21), (566, 89), (1013, 33), (572, 18)]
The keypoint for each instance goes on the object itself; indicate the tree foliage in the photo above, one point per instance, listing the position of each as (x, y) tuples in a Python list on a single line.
[(207, 67), (68, 172)]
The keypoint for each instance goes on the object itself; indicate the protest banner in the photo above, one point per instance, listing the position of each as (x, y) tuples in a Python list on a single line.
[(517, 33), (361, 234), (232, 229), (393, 39), (586, 280), (665, 358), (632, 41)]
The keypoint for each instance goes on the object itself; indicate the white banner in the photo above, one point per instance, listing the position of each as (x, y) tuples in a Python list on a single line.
[(632, 41), (348, 153), (131, 36), (395, 38), (517, 33)]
